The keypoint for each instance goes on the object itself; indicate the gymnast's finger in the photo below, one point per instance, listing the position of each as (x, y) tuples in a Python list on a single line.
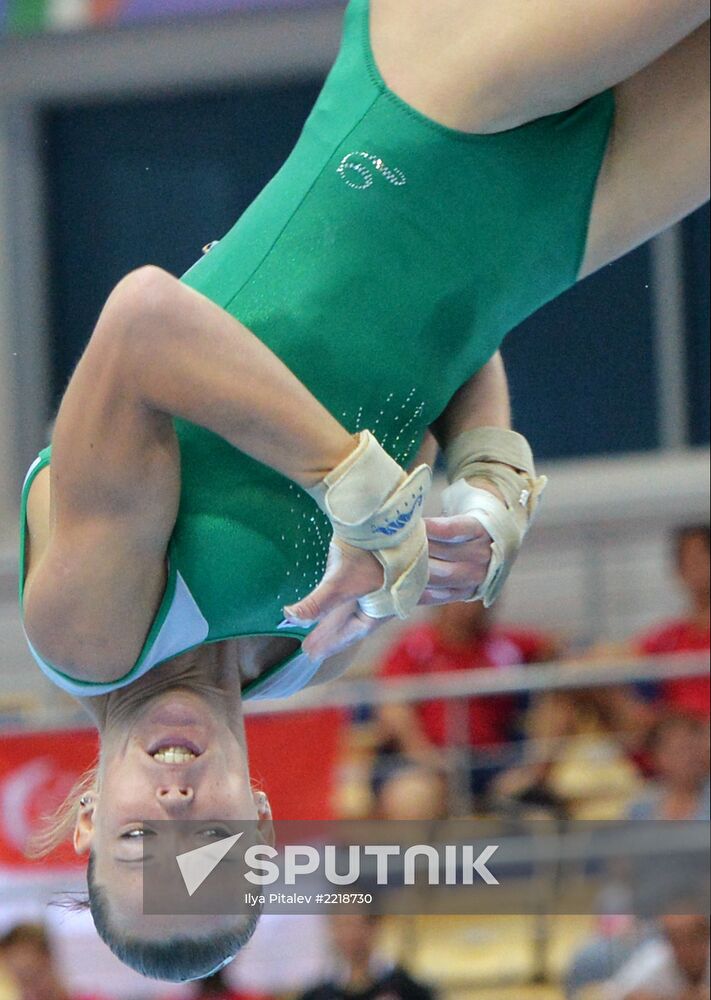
[(431, 597), (338, 631), (453, 530), (466, 552), (350, 573), (457, 575)]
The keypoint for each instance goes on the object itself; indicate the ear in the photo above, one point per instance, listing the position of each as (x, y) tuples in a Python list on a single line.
[(84, 828), (265, 824)]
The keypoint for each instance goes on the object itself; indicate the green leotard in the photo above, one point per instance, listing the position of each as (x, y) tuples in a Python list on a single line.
[(383, 264)]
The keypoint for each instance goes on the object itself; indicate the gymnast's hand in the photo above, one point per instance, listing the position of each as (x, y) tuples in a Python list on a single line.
[(493, 489), (350, 573), (460, 553), (378, 559), (459, 556)]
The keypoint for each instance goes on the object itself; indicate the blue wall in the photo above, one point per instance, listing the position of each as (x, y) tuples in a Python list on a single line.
[(696, 253), (582, 369), (151, 182)]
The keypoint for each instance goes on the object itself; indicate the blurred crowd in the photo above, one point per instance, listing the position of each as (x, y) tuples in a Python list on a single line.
[(639, 752), (356, 969), (582, 754), (28, 970)]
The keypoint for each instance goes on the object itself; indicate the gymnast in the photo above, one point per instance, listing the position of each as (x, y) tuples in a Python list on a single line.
[(232, 497)]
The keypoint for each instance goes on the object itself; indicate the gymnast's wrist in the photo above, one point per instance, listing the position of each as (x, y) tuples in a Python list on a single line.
[(367, 489), (481, 483), (339, 450), (355, 487), (499, 461)]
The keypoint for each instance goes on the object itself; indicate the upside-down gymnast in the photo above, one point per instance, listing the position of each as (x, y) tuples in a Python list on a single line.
[(224, 435)]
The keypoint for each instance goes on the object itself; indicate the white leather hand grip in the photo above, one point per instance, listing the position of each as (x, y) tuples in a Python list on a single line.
[(373, 504), (499, 523), (504, 459)]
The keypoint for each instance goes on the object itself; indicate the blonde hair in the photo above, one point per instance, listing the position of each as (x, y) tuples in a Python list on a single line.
[(58, 826)]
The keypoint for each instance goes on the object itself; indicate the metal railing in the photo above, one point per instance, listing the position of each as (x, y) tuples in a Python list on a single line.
[(489, 682), (570, 675)]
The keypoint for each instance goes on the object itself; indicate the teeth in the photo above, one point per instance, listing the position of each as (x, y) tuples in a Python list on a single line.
[(174, 755)]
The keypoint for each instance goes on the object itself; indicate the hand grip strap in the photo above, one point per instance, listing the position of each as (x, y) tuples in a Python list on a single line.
[(373, 504), (504, 459)]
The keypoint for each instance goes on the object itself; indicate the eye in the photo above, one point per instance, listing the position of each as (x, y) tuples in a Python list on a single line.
[(210, 832), (137, 834)]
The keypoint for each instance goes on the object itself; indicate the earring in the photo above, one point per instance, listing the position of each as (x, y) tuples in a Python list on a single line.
[(86, 800)]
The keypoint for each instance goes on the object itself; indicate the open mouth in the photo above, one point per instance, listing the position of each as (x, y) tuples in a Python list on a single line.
[(174, 751)]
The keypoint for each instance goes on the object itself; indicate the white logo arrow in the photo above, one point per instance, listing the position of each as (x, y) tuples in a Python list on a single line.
[(195, 866)]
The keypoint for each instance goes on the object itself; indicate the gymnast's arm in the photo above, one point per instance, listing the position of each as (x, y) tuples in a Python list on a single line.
[(656, 170), (160, 350), (483, 401), (190, 359)]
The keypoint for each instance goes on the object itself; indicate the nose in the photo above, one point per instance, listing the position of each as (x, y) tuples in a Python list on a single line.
[(174, 798)]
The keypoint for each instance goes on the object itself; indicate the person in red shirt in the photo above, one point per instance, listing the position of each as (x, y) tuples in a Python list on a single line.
[(690, 633), (416, 741), (635, 711), (632, 713)]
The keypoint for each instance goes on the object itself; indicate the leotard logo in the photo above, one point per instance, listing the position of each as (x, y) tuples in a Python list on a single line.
[(358, 171)]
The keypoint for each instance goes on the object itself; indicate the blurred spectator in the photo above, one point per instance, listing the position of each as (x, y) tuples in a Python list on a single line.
[(681, 793), (359, 972), (690, 633), (413, 792), (635, 711), (674, 966), (8, 990), (216, 987), (26, 953), (680, 757), (630, 713), (460, 637)]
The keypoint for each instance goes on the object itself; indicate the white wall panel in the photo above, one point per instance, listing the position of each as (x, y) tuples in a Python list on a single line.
[(7, 394)]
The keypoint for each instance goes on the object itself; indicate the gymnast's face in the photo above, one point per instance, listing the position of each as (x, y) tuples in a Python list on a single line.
[(176, 758)]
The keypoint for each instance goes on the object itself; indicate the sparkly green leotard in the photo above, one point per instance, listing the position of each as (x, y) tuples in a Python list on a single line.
[(384, 264)]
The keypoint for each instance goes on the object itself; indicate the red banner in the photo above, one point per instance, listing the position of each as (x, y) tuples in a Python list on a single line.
[(37, 771), (294, 758)]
